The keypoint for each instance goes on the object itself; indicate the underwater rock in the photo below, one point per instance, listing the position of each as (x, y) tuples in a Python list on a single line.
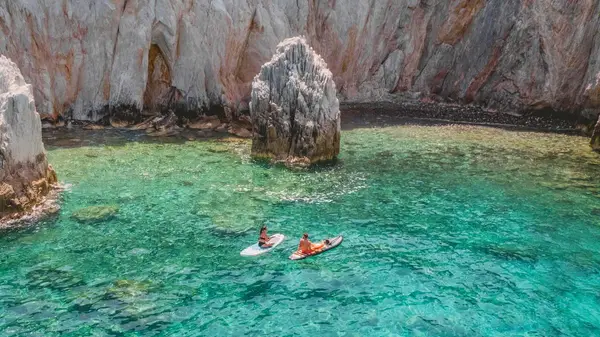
[(294, 108), (25, 175), (128, 290), (95, 213)]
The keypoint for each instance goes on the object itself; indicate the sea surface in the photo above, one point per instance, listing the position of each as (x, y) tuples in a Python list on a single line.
[(448, 231)]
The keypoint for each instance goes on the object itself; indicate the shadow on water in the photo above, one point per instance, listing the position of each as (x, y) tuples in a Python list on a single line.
[(78, 137), (385, 114), (351, 119), (47, 277)]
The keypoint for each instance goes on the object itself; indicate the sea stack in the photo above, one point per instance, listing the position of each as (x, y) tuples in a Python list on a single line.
[(25, 175), (294, 108)]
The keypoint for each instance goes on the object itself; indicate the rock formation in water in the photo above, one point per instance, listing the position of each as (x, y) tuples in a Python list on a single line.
[(86, 58), (294, 108), (25, 176)]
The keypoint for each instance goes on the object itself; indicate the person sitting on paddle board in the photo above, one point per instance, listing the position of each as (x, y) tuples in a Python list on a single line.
[(263, 239), (307, 247)]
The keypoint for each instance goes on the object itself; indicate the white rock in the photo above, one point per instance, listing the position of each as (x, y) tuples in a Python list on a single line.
[(20, 125), (294, 108), (82, 56), (24, 170)]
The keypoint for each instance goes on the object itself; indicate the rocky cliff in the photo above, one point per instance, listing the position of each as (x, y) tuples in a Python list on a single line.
[(294, 108), (25, 176), (86, 58)]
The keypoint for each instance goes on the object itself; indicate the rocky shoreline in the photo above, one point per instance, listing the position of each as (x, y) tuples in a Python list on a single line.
[(47, 206), (391, 113), (353, 115)]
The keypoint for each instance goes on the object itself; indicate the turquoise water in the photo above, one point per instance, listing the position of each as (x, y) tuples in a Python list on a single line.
[(449, 231)]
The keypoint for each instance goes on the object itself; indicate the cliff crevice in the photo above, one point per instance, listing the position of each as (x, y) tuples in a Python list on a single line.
[(502, 54)]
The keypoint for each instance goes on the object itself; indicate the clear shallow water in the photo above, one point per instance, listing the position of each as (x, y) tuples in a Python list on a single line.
[(449, 231)]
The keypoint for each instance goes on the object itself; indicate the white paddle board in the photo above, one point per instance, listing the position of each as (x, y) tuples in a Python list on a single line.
[(255, 250)]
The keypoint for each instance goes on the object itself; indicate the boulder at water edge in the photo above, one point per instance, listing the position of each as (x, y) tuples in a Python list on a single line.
[(294, 108), (25, 176)]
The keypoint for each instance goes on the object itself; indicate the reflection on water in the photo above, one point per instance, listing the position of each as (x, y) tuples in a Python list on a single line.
[(449, 231)]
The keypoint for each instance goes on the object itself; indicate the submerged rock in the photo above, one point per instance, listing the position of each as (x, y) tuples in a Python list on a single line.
[(25, 175), (128, 290), (294, 108), (95, 213)]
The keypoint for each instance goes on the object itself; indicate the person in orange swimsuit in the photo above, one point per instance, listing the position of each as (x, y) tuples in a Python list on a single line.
[(307, 247)]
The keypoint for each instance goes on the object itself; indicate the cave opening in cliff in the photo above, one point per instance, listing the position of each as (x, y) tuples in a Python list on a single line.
[(158, 86)]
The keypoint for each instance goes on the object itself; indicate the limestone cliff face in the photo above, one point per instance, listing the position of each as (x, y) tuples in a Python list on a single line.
[(25, 176), (294, 108), (83, 57)]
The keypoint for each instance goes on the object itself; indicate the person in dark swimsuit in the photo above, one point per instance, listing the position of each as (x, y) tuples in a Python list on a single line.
[(263, 239)]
